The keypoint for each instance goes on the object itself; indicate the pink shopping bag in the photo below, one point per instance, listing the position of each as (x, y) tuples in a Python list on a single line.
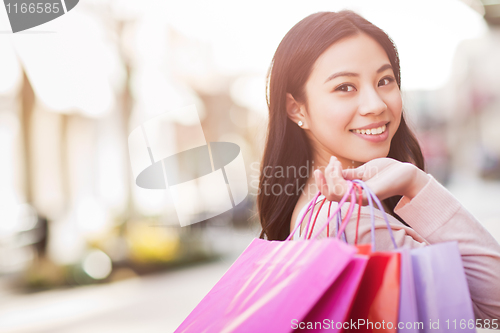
[(334, 306), (271, 284), (332, 309)]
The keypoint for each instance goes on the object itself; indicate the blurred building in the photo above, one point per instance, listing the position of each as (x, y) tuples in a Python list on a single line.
[(471, 101), (67, 104)]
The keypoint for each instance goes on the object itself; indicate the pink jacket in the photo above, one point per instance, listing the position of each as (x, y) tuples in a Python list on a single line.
[(435, 216)]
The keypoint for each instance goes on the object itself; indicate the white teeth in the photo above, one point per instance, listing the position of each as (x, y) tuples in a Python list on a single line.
[(373, 131)]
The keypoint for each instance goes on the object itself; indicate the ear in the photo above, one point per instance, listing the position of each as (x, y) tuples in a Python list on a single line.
[(295, 110)]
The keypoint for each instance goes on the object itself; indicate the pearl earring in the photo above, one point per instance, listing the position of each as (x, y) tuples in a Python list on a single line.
[(300, 123)]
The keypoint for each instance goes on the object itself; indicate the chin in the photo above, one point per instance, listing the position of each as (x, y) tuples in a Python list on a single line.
[(371, 156)]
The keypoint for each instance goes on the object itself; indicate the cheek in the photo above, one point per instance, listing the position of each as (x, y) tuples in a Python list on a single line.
[(395, 105), (331, 114), (331, 123)]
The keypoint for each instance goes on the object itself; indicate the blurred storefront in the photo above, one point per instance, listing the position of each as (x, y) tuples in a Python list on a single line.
[(71, 212)]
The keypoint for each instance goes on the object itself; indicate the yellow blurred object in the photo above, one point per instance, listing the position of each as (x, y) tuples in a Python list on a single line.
[(148, 243)]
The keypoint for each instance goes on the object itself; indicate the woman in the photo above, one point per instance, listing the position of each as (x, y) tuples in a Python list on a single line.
[(335, 106)]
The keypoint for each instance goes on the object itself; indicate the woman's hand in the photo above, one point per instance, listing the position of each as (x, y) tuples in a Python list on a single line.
[(386, 177)]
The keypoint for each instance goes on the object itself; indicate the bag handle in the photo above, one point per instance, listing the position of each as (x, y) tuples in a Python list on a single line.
[(338, 215), (303, 216), (349, 192), (338, 222), (349, 212), (341, 202), (360, 203), (306, 229), (316, 217), (370, 195)]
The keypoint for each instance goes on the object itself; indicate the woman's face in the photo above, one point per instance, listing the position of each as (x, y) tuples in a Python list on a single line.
[(353, 101)]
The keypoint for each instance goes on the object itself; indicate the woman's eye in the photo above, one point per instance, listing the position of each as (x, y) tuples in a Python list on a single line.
[(387, 80), (345, 87)]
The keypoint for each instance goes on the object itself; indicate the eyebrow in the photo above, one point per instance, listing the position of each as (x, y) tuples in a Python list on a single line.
[(333, 76)]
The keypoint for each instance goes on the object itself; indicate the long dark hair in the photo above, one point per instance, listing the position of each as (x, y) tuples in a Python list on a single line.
[(286, 143)]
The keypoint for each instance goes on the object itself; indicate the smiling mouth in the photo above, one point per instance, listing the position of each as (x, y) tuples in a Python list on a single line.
[(371, 131)]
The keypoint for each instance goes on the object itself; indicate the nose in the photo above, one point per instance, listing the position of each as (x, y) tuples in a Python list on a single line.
[(371, 103)]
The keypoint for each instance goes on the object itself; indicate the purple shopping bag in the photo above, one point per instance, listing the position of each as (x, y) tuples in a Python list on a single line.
[(271, 284), (433, 295), (408, 313), (443, 298), (440, 288)]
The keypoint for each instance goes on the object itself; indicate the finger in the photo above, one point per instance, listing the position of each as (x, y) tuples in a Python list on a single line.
[(337, 172), (339, 183), (329, 177)]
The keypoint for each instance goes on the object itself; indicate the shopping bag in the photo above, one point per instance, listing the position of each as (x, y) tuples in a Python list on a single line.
[(334, 306), (443, 298), (332, 309), (376, 306), (271, 284), (408, 312), (441, 292)]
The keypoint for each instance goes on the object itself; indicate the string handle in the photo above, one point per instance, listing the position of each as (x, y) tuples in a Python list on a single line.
[(303, 215), (349, 192), (370, 195), (316, 217), (341, 202), (341, 228)]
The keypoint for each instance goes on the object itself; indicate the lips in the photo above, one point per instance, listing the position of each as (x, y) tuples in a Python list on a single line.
[(372, 125), (371, 131), (375, 132)]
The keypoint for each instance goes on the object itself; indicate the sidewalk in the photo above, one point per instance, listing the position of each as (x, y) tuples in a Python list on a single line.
[(155, 303)]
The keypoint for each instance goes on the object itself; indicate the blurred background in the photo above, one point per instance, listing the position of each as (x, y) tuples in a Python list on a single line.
[(82, 248)]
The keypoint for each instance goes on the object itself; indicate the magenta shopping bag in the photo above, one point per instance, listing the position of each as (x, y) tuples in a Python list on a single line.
[(271, 285), (443, 298), (332, 310), (334, 306)]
